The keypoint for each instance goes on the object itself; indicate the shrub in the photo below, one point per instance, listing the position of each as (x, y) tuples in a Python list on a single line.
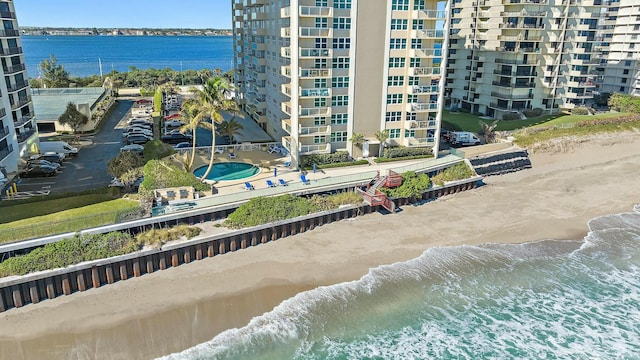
[(335, 165), (158, 237), (401, 151), (511, 116), (532, 112), (336, 200), (70, 251), (263, 210), (156, 149), (458, 171), (609, 121), (158, 174), (307, 161), (413, 185), (383, 160), (477, 113), (464, 110), (580, 111), (124, 162)]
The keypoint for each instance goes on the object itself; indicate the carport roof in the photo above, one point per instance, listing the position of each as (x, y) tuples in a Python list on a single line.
[(49, 104)]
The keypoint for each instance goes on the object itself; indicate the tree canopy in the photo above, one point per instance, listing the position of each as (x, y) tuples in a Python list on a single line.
[(73, 118), (53, 74)]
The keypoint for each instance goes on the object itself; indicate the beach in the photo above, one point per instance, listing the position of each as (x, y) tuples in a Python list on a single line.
[(169, 311)]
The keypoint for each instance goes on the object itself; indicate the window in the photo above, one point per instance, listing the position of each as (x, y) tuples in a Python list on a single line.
[(321, 43), (411, 116), (394, 133), (341, 63), (417, 25), (624, 80), (340, 82), (341, 43), (625, 72), (396, 62), (409, 133), (322, 3), (342, 23), (416, 44), (319, 83), (395, 81), (337, 119), (342, 4), (398, 44), (339, 136), (319, 139), (319, 120), (399, 24), (319, 102), (401, 5), (320, 63), (412, 98), (340, 100), (393, 116), (621, 88), (322, 22), (394, 98), (418, 5), (414, 62), (414, 80)]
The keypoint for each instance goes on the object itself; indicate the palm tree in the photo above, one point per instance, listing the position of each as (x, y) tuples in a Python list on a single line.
[(230, 128), (211, 101), (192, 122), (382, 136), (488, 131), (357, 140)]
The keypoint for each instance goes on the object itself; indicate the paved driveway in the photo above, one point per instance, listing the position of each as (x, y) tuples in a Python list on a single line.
[(89, 168)]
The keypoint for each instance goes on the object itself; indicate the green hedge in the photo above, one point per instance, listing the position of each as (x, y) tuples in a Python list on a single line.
[(383, 160), (263, 210), (70, 251), (580, 111), (156, 149), (397, 152), (413, 185), (336, 165), (529, 113), (458, 171), (307, 161), (511, 116)]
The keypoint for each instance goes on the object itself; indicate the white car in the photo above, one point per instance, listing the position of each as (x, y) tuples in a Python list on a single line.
[(137, 148), (137, 131), (140, 122)]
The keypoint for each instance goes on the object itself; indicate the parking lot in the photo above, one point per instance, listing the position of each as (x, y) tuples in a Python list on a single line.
[(89, 168)]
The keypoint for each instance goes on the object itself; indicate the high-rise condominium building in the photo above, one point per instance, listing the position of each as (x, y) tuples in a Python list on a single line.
[(507, 56), (620, 46), (315, 72), (18, 132)]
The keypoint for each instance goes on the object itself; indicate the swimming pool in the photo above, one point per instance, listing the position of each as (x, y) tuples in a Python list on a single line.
[(228, 171)]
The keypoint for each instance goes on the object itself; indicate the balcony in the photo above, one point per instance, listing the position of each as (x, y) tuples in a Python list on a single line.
[(421, 71), (7, 15), (17, 86), (421, 107), (428, 34), (501, 84), (316, 111), (310, 32), (315, 92), (286, 125), (4, 132), (285, 71), (417, 125), (4, 152), (285, 52), (315, 149), (426, 89), (286, 108), (520, 2), (430, 15), (418, 142), (10, 51), (315, 11), (9, 33), (507, 107), (315, 73), (26, 135), (315, 53), (22, 101), (315, 131), (14, 69), (510, 96)]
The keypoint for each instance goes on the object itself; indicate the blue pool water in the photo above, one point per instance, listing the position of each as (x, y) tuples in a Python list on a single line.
[(228, 171)]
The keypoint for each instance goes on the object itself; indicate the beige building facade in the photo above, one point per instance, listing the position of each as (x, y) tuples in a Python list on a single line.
[(315, 72), (18, 131)]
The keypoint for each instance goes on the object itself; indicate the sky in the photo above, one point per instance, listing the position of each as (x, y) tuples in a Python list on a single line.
[(193, 14)]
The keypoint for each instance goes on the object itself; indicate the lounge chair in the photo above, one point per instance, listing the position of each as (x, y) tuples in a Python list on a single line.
[(232, 155), (270, 183), (274, 149), (219, 150), (282, 182), (248, 186), (287, 163), (304, 180)]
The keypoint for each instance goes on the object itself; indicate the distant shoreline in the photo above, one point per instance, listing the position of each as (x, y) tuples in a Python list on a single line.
[(65, 31)]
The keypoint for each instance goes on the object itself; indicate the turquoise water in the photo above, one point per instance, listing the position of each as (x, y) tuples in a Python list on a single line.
[(542, 300), (79, 54), (228, 171)]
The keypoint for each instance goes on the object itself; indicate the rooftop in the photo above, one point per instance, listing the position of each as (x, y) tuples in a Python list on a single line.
[(49, 104)]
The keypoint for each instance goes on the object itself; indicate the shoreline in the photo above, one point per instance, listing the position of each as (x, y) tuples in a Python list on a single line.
[(171, 310)]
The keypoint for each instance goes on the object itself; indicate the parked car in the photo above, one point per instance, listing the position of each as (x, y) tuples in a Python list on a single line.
[(137, 148), (137, 139), (175, 138), (142, 131), (173, 123), (38, 171), (42, 162), (183, 145), (50, 156), (141, 122)]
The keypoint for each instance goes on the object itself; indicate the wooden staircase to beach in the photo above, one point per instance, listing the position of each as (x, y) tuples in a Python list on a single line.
[(372, 196)]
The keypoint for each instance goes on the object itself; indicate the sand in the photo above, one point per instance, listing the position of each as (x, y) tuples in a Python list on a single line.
[(171, 310)]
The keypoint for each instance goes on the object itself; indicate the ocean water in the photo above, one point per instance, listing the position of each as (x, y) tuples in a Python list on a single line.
[(540, 300), (81, 55)]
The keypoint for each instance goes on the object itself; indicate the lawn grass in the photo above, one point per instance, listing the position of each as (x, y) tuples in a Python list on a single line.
[(20, 211), (561, 119), (70, 220), (468, 122)]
